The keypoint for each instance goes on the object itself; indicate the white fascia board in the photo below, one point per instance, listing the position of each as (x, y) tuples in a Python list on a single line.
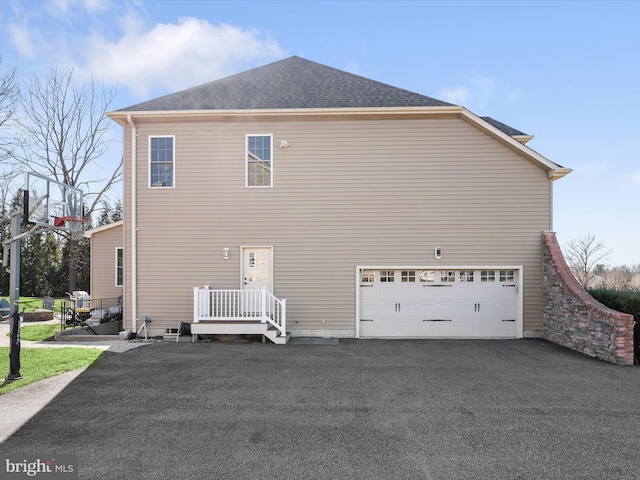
[(102, 228), (122, 115), (555, 170)]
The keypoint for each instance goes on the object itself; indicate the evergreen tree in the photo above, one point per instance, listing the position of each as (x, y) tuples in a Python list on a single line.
[(116, 213), (105, 214)]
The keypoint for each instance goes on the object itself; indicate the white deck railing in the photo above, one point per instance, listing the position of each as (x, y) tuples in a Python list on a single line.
[(239, 305)]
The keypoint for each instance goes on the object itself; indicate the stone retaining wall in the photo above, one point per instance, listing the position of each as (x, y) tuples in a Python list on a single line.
[(574, 319)]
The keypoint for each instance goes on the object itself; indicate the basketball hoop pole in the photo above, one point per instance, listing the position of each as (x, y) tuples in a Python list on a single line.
[(14, 296), (14, 291)]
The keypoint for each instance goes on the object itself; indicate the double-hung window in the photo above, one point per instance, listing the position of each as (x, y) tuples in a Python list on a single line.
[(161, 161), (258, 161), (119, 267)]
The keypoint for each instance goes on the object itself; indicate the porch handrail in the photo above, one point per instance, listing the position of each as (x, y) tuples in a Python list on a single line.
[(239, 305)]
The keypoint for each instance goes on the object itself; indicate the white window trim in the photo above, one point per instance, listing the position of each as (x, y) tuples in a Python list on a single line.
[(246, 162), (116, 266), (149, 160)]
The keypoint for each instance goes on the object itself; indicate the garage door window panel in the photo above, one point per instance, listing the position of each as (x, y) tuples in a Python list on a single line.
[(427, 276), (408, 276), (466, 276), (448, 276), (487, 276), (367, 276), (507, 276), (387, 276)]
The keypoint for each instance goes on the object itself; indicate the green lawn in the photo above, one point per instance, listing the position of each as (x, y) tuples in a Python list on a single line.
[(39, 363), (38, 333), (29, 304)]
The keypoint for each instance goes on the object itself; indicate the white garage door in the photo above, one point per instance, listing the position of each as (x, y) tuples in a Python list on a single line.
[(438, 303)]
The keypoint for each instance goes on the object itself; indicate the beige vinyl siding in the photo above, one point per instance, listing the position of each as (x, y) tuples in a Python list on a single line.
[(345, 193), (103, 263)]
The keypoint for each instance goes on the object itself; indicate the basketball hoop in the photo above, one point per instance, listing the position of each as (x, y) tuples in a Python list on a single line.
[(74, 223)]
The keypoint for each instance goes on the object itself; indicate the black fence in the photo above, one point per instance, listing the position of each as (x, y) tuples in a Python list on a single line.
[(85, 312)]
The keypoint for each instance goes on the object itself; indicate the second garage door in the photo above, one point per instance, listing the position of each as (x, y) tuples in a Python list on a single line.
[(458, 303)]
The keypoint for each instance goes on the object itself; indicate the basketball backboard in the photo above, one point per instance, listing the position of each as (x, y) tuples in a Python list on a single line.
[(46, 201)]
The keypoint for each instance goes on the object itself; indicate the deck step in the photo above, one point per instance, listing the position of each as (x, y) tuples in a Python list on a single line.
[(239, 328)]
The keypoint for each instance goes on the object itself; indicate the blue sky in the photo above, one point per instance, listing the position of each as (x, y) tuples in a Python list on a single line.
[(566, 72)]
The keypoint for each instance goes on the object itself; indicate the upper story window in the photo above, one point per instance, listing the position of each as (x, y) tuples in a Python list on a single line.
[(259, 165), (161, 161), (119, 267)]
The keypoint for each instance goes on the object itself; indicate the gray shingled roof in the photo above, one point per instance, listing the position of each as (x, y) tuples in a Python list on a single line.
[(290, 83), (504, 127)]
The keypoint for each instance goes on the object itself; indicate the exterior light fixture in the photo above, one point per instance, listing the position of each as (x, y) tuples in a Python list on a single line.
[(226, 253), (438, 253)]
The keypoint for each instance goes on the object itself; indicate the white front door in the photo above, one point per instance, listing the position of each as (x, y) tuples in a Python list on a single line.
[(257, 266), (256, 274)]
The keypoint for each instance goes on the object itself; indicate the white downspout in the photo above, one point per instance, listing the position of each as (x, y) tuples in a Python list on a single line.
[(134, 225), (550, 175)]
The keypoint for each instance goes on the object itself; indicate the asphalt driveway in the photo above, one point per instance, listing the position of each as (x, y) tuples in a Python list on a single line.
[(361, 409)]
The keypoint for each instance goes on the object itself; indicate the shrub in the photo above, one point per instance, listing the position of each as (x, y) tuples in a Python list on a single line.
[(623, 299)]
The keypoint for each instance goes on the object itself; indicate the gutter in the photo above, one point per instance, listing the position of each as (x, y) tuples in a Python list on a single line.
[(452, 109), (134, 225)]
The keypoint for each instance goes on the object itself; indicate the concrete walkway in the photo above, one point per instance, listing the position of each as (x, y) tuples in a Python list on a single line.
[(358, 409)]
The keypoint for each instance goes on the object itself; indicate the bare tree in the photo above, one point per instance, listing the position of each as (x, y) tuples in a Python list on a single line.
[(62, 131), (583, 256), (8, 101), (8, 94)]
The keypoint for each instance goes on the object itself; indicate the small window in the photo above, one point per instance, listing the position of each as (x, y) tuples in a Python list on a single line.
[(488, 276), (507, 276), (259, 165), (387, 276), (367, 276), (427, 276), (408, 276), (447, 276), (466, 276), (161, 161), (119, 267)]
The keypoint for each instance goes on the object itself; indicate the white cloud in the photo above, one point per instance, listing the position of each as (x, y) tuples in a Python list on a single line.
[(21, 40), (475, 92), (63, 6), (455, 95), (174, 56), (353, 67), (124, 48)]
